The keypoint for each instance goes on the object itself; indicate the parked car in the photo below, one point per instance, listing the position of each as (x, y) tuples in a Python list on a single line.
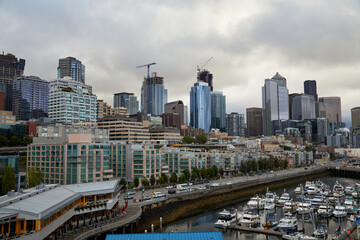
[(215, 184), (202, 188), (172, 191), (146, 198), (128, 197), (158, 195), (131, 193), (169, 187)]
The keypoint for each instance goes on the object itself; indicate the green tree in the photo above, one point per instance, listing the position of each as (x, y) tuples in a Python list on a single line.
[(136, 182), (211, 172), (152, 180), (173, 177), (261, 164), (166, 178), (194, 175), (188, 140), (332, 156), (186, 172), (195, 169), (285, 164), (203, 172), (3, 141), (27, 140), (15, 141), (254, 165), (122, 182), (216, 170), (8, 181), (22, 163), (145, 182), (33, 177), (276, 163), (182, 178), (201, 138), (221, 171)]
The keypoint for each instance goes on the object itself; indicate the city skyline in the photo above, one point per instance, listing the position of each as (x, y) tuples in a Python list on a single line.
[(249, 42)]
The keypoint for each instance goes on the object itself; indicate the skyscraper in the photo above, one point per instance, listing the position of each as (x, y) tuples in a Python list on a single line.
[(275, 102), (176, 107), (73, 68), (235, 125), (355, 117), (254, 121), (153, 95), (303, 107), (128, 101), (310, 89), (330, 108), (30, 97), (218, 110), (200, 106), (206, 76), (71, 101)]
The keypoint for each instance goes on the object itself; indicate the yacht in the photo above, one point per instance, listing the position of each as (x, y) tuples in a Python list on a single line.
[(338, 190), (304, 208), (355, 193), (297, 190), (270, 223), (349, 205), (290, 206), (256, 203), (316, 202), (349, 190), (250, 218), (307, 184), (311, 190), (227, 217), (325, 211), (269, 206), (320, 232), (271, 197), (285, 197), (288, 225), (340, 211)]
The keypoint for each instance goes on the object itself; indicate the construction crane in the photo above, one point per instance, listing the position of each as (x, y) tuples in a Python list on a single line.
[(199, 69), (148, 68)]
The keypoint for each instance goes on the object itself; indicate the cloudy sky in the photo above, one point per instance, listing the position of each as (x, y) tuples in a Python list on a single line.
[(248, 40)]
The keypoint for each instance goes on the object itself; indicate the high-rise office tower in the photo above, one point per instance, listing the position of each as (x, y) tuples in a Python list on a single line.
[(128, 101), (200, 106), (176, 107), (355, 117), (310, 89), (71, 67), (218, 110), (330, 108), (71, 101), (186, 115), (10, 66), (30, 97), (153, 95), (235, 125), (302, 107), (275, 102), (206, 76), (254, 121)]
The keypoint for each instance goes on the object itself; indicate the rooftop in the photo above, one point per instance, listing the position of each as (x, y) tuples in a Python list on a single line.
[(167, 236)]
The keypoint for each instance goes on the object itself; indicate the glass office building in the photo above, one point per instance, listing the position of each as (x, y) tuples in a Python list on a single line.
[(200, 106), (218, 110), (30, 97), (303, 107), (275, 102), (128, 101), (153, 96), (71, 67)]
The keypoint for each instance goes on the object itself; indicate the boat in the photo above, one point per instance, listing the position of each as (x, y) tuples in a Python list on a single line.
[(290, 206), (250, 218), (355, 193), (288, 224), (227, 217), (325, 211), (311, 190), (270, 223), (271, 197), (316, 202), (256, 203), (298, 236), (307, 184), (269, 206), (349, 204), (338, 190), (320, 232), (304, 208), (340, 211), (297, 190), (349, 190), (285, 197)]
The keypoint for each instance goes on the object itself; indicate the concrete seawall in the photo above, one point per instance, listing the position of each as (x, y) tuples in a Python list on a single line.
[(184, 206)]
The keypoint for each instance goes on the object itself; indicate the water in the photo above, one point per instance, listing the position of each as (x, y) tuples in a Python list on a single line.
[(204, 222)]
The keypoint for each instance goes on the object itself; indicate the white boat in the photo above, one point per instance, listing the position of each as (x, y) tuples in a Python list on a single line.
[(349, 205), (290, 206), (312, 189), (304, 208), (320, 232), (325, 211), (349, 190), (340, 211), (298, 236), (297, 190), (316, 202), (288, 225), (250, 218), (338, 190), (355, 193), (269, 206), (285, 197), (227, 217), (256, 203), (271, 197)]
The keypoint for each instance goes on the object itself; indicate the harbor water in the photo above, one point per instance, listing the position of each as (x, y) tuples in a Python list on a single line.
[(204, 221)]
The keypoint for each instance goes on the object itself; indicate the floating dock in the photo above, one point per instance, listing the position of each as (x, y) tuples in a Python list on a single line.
[(255, 230)]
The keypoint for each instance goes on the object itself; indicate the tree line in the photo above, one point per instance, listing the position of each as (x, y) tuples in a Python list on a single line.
[(14, 141), (272, 163)]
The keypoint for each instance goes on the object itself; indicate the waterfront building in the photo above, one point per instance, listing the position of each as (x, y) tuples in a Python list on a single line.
[(13, 161), (71, 67), (30, 97), (178, 108), (275, 103), (339, 139), (218, 111), (103, 109), (153, 95), (123, 128), (330, 108), (177, 161), (235, 125), (302, 107), (254, 121), (71, 102), (205, 76), (47, 211), (128, 101), (200, 106)]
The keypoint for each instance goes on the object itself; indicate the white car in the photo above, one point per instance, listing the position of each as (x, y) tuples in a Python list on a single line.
[(202, 188), (215, 184), (169, 187), (229, 183)]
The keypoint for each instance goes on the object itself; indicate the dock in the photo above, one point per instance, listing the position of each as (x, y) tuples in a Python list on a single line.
[(255, 230)]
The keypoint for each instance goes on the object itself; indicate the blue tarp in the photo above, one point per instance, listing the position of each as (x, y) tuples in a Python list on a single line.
[(167, 236)]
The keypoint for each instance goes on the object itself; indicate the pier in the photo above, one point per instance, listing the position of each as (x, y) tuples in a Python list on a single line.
[(255, 230)]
